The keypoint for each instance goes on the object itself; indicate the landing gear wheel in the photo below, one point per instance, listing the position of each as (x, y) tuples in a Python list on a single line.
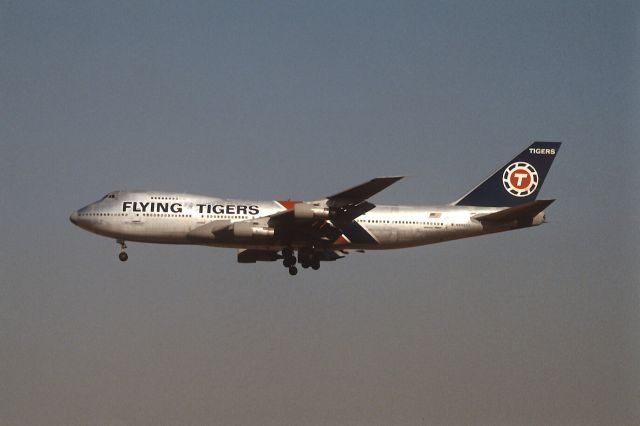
[(315, 266), (123, 254), (289, 259), (293, 270)]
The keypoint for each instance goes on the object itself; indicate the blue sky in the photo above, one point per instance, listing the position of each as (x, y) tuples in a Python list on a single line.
[(298, 99)]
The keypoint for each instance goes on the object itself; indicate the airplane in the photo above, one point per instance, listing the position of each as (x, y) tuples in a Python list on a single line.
[(328, 228)]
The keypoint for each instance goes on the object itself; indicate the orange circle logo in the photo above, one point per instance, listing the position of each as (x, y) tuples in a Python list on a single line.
[(520, 179)]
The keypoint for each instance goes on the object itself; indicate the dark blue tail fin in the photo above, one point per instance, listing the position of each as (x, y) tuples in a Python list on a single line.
[(517, 182)]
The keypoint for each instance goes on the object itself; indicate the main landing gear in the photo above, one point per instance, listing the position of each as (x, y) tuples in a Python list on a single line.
[(307, 258), (289, 261), (123, 256)]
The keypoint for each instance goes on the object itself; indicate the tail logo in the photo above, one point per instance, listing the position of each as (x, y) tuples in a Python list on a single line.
[(520, 179)]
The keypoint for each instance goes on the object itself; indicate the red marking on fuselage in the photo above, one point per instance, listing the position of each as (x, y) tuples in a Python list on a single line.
[(288, 204), (341, 240)]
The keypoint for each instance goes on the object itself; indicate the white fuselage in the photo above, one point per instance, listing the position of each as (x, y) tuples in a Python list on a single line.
[(168, 218)]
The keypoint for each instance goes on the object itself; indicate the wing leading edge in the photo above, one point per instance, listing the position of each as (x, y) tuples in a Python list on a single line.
[(362, 192)]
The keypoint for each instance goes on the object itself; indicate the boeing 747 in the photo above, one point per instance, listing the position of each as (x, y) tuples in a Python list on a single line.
[(310, 232)]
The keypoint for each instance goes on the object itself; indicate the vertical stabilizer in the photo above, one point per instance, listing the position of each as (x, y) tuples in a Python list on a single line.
[(517, 182)]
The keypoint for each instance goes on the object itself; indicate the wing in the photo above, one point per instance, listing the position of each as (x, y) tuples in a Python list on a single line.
[(313, 224), (352, 202), (290, 230), (318, 222), (362, 192), (348, 205)]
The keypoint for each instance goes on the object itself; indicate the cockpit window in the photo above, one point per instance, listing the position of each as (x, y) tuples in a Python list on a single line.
[(109, 195)]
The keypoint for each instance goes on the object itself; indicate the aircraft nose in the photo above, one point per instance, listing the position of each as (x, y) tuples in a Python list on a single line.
[(74, 218)]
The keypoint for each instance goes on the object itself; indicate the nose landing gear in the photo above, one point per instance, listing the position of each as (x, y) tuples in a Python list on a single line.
[(123, 256)]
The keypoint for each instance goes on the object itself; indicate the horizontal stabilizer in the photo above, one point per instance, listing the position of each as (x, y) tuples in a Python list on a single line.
[(526, 210)]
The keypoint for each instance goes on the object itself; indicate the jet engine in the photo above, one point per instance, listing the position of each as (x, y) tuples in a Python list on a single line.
[(305, 211), (251, 230)]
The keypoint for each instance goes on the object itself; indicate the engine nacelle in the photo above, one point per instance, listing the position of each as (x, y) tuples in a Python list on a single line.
[(253, 256), (304, 211), (250, 230)]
